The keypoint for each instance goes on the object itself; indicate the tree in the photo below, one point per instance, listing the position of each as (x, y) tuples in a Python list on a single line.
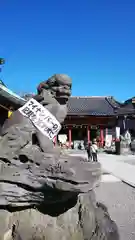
[(27, 96), (2, 83), (2, 61)]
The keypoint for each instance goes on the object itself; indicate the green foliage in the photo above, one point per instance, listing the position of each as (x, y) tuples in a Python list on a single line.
[(2, 61), (2, 83)]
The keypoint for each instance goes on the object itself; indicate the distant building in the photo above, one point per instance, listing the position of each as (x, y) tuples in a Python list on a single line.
[(126, 116), (9, 101), (88, 117)]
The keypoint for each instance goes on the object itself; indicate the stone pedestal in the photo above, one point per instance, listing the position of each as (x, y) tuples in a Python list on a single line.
[(86, 220), (124, 148), (77, 223)]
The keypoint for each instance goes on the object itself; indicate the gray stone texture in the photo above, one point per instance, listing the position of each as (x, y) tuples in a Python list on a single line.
[(45, 194)]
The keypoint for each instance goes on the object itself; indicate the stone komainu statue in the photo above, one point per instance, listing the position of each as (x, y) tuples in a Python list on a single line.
[(45, 194)]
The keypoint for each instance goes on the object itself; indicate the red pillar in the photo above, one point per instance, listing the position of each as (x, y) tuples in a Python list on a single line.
[(54, 140), (102, 137), (88, 133), (70, 136), (106, 133)]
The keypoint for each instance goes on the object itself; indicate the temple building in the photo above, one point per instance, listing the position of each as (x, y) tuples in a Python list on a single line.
[(9, 101), (126, 116), (87, 118)]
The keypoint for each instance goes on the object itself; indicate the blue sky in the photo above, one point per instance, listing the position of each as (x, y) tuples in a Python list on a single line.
[(91, 40)]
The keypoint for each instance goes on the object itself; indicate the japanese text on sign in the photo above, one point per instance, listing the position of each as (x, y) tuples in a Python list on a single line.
[(42, 119)]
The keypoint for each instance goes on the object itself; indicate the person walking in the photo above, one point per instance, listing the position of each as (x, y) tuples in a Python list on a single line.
[(94, 150), (89, 153), (87, 146)]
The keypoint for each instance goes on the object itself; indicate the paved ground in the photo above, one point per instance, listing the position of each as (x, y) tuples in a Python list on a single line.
[(120, 200), (119, 166), (118, 197), (122, 167), (130, 160)]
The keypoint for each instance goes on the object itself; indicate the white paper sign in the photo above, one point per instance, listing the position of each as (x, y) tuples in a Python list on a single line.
[(42, 119), (108, 140), (117, 132), (62, 138)]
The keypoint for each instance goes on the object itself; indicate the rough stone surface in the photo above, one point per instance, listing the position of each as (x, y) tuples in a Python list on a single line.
[(43, 193), (84, 220)]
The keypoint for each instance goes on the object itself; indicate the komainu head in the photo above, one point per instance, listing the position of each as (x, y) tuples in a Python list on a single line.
[(59, 86)]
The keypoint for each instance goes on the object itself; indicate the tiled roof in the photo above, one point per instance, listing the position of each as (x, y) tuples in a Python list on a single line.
[(2, 83), (128, 101), (94, 106), (99, 106), (8, 97), (127, 109)]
